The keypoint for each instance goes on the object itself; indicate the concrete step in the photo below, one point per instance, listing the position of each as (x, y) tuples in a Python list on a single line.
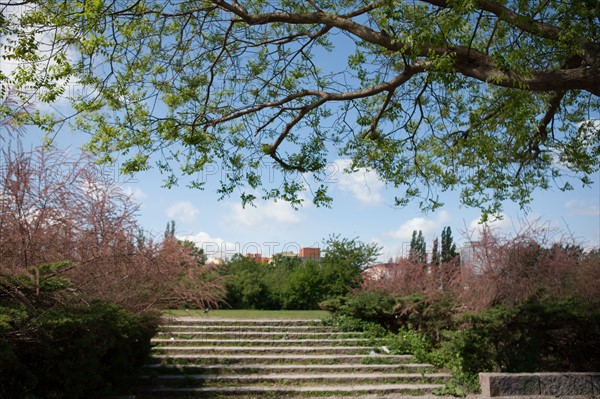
[(279, 391), (304, 379), (315, 395), (187, 358), (228, 320), (198, 358), (200, 321), (231, 350), (242, 334), (254, 342), (244, 328), (288, 368)]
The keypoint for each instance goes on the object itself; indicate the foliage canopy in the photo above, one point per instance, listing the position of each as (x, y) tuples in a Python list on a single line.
[(291, 282), (491, 98)]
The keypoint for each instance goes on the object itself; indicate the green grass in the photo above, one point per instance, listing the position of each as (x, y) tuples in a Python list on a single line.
[(251, 314)]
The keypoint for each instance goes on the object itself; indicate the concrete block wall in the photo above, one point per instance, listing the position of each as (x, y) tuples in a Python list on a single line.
[(540, 384)]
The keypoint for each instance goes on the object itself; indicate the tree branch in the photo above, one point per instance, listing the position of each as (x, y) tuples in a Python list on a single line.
[(375, 123), (352, 95), (324, 97), (475, 64), (467, 61), (534, 150), (507, 15)]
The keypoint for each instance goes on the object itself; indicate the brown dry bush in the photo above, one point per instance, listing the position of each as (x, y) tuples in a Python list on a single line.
[(530, 266), (533, 265), (57, 207)]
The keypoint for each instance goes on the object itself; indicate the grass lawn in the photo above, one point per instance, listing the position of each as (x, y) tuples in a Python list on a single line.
[(251, 314)]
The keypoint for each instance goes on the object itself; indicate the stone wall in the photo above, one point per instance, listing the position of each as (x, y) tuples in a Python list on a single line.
[(540, 384)]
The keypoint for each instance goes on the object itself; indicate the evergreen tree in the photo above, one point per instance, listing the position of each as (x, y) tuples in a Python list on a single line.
[(418, 248), (435, 252), (448, 246), (170, 229)]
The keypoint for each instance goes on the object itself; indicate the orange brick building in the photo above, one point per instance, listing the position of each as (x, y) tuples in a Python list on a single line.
[(310, 253)]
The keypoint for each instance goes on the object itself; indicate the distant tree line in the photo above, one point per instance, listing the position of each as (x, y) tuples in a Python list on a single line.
[(290, 282)]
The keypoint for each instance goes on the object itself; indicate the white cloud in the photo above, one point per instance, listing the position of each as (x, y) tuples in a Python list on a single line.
[(218, 248), (531, 225), (136, 193), (580, 207), (590, 126), (503, 224), (365, 185), (98, 189), (397, 242), (429, 227), (214, 247), (183, 212), (263, 215)]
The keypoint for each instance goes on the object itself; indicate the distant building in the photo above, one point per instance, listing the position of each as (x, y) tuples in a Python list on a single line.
[(217, 261), (472, 257), (381, 271), (288, 254), (310, 253), (258, 258)]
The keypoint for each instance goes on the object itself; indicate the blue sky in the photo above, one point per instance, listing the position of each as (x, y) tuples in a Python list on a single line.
[(362, 207)]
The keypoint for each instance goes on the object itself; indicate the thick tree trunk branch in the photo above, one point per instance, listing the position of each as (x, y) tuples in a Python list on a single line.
[(507, 15), (467, 61), (480, 66)]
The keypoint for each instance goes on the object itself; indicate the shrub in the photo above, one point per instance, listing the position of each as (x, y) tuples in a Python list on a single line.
[(429, 314), (71, 351), (409, 341), (54, 207), (345, 323), (54, 346), (372, 306), (534, 336)]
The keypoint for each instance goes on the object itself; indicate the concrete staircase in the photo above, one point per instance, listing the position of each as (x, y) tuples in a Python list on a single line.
[(200, 357)]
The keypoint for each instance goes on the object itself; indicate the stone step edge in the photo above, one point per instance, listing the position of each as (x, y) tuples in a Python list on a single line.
[(297, 376), (298, 389), (220, 321), (362, 395), (268, 348), (285, 357), (243, 327), (257, 341), (258, 366), (265, 333)]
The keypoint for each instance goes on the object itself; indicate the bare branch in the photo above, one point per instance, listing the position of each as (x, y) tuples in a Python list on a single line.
[(382, 109), (326, 96)]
